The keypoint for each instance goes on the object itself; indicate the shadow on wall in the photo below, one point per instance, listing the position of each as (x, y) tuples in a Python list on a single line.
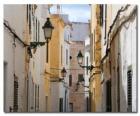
[(123, 98)]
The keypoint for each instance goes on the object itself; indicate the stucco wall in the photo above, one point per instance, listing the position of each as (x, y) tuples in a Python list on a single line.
[(128, 58), (77, 96), (16, 20)]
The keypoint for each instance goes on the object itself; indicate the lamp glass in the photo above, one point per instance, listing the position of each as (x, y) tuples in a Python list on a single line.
[(47, 33), (63, 73), (48, 29), (80, 58)]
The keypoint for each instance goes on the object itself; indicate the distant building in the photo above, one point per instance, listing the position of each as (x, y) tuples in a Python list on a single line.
[(77, 101)]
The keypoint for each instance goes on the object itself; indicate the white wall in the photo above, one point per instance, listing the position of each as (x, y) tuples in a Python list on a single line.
[(15, 15), (37, 63), (55, 97), (87, 54), (128, 57)]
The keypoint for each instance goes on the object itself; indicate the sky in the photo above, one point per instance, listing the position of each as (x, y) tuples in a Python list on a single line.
[(76, 12)]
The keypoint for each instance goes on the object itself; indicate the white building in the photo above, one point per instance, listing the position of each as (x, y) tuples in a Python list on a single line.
[(22, 25), (119, 80), (15, 93), (36, 92), (128, 69), (87, 72)]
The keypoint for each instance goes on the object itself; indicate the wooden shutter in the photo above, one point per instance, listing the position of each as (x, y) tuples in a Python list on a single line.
[(15, 104), (129, 90)]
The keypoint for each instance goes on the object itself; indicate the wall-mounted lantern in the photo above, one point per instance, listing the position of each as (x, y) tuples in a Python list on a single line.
[(47, 28), (80, 61)]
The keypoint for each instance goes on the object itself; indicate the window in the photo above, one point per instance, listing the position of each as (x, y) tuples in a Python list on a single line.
[(108, 96), (15, 107), (29, 19), (46, 103), (27, 12), (38, 30), (61, 54), (38, 98), (129, 90), (101, 14), (80, 78), (47, 53), (34, 28), (5, 86), (70, 80), (87, 65), (35, 96), (71, 107), (61, 105), (91, 46), (68, 37), (67, 57), (87, 103), (70, 57), (105, 22)]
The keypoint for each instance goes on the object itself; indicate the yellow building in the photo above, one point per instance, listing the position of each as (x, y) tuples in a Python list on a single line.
[(96, 55), (101, 16), (56, 47)]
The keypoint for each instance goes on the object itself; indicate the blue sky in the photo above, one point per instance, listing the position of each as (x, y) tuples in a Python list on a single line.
[(76, 12)]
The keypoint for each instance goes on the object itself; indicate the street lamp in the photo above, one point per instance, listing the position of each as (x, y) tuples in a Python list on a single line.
[(80, 61), (47, 33), (80, 58), (63, 72), (48, 30)]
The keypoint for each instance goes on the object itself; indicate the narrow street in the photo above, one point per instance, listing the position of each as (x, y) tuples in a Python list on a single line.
[(70, 58)]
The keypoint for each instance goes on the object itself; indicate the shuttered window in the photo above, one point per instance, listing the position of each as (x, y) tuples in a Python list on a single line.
[(61, 104), (129, 89), (80, 78), (67, 57), (108, 96), (87, 65), (15, 104), (70, 80), (101, 14), (29, 10), (71, 107), (38, 30)]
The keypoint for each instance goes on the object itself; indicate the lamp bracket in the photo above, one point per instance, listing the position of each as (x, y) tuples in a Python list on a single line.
[(89, 67), (35, 44)]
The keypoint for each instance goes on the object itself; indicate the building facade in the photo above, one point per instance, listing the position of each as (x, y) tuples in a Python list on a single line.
[(95, 78), (117, 84), (14, 65), (87, 72), (27, 90), (77, 94)]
